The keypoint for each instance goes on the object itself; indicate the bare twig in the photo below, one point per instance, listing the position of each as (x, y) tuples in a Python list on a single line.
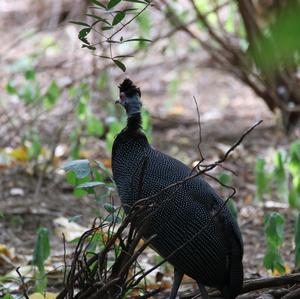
[(23, 284)]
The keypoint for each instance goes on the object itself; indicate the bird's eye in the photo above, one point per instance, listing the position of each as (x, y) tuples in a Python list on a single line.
[(122, 96)]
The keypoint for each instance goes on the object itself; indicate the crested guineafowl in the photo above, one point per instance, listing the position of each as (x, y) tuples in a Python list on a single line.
[(212, 257)]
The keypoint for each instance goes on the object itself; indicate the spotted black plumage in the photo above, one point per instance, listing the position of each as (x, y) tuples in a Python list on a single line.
[(214, 257)]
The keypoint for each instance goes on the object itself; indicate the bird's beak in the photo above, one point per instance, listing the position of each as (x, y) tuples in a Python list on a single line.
[(117, 102)]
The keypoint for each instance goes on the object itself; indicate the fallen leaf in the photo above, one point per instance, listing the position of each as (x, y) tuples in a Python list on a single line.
[(20, 153), (47, 295)]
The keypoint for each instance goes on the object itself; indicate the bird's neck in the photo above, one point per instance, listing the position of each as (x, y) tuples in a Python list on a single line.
[(134, 122)]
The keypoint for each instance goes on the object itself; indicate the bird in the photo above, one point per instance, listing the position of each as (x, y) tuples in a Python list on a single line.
[(191, 226)]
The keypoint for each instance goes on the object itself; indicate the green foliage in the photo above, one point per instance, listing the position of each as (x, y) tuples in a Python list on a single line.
[(81, 168), (41, 253), (297, 242), (114, 21), (261, 178), (284, 179), (279, 174), (274, 233)]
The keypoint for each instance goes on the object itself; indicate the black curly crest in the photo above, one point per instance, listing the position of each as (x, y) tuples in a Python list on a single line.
[(129, 88)]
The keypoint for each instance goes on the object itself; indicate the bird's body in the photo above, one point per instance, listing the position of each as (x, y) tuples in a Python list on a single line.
[(212, 257)]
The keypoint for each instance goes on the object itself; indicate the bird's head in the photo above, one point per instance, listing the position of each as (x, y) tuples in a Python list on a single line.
[(130, 97)]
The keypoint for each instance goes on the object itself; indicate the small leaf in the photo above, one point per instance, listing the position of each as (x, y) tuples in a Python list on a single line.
[(104, 28), (80, 167), (294, 199), (98, 3), (11, 88), (109, 207), (120, 65), (118, 18), (97, 18), (51, 95), (42, 248), (71, 178), (89, 47), (273, 260), (83, 33), (80, 23), (274, 229), (261, 178), (113, 3), (90, 184), (30, 74)]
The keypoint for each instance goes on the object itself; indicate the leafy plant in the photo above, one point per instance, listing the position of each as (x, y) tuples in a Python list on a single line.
[(113, 21), (261, 178), (274, 233), (41, 253)]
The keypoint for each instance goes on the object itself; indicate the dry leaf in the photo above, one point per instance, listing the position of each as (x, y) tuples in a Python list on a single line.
[(47, 295)]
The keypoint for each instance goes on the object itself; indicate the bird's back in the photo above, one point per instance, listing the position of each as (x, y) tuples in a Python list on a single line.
[(213, 256)]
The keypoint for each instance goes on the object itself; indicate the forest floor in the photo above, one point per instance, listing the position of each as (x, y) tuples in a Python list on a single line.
[(227, 109)]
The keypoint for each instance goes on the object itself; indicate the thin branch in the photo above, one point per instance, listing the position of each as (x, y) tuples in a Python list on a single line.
[(23, 285)]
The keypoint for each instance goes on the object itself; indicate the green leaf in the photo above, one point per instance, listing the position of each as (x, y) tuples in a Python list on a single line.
[(71, 178), (113, 3), (52, 94), (261, 178), (118, 18), (98, 3), (42, 248), (95, 126), (279, 174), (83, 33), (109, 207), (30, 74), (79, 192), (80, 23), (104, 28), (11, 88), (80, 167), (294, 199), (89, 47), (297, 242), (35, 148), (120, 64), (8, 296), (274, 229), (30, 92), (97, 18), (90, 184), (294, 163), (273, 260)]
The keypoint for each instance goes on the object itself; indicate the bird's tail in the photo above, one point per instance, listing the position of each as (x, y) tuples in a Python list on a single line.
[(232, 290)]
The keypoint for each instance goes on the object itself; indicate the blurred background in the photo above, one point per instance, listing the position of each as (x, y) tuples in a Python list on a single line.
[(60, 66)]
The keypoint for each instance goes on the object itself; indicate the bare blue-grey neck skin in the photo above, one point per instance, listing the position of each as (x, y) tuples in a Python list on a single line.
[(132, 105)]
